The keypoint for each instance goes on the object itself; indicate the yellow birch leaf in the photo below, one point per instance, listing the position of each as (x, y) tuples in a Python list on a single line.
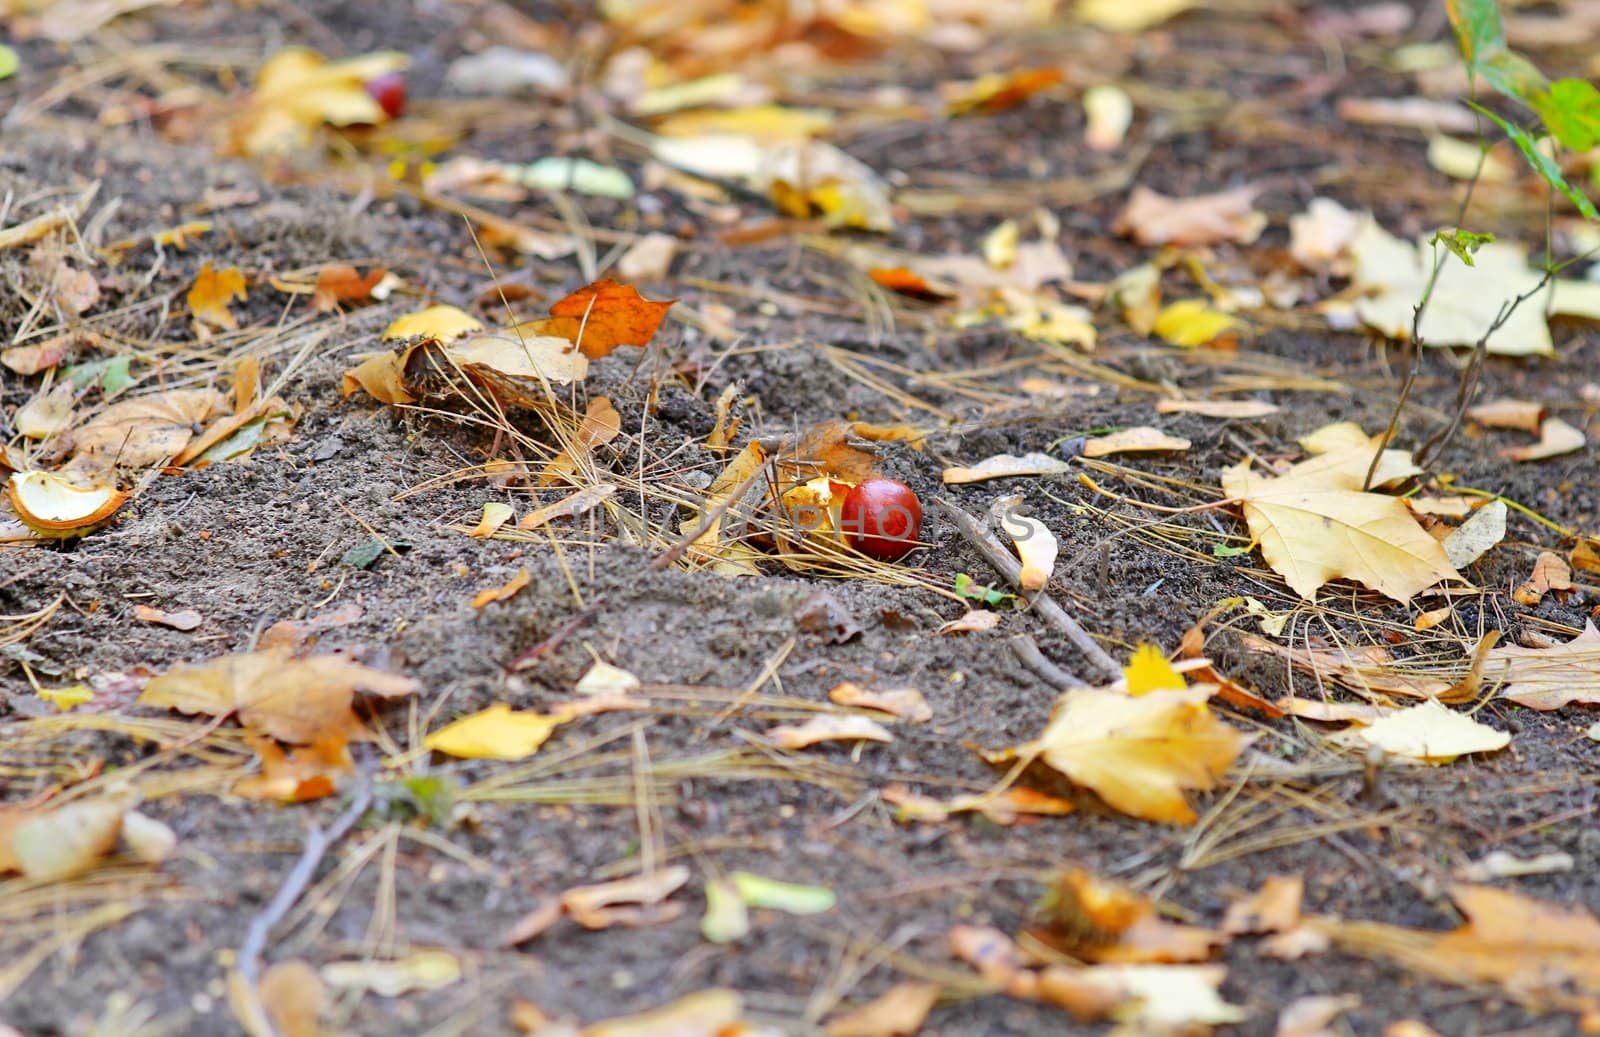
[(1149, 671), (440, 323), (211, 293), (1190, 322), (496, 733)]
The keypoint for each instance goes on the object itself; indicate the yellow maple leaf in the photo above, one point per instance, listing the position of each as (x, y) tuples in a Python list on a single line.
[(1149, 671), (496, 733), (1138, 754), (211, 293), (1315, 523), (441, 323)]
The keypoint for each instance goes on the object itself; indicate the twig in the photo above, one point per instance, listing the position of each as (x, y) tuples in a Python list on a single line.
[(1028, 654), (556, 639), (255, 941), (1040, 602)]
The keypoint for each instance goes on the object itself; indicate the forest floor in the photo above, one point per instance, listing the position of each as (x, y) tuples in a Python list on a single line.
[(1242, 93)]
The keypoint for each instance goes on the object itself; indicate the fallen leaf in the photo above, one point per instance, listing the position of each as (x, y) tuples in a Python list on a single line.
[(338, 284), (1503, 865), (42, 356), (293, 995), (546, 914), (1129, 16), (148, 430), (1314, 523), (1218, 408), (1148, 670), (1549, 678), (303, 774), (586, 499), (1321, 236), (1166, 997), (51, 845), (905, 703), (1155, 219), (1138, 754), (293, 700), (211, 293), (1467, 160), (1139, 439), (1274, 908), (419, 970), (991, 952), (604, 315), (910, 283), (649, 258), (1001, 808), (440, 323), (47, 414), (977, 621), (494, 733), (1005, 466), (997, 91), (1482, 530), (727, 917), (600, 425), (495, 515), (293, 633), (1465, 302), (708, 1013), (1313, 1016), (186, 620), (602, 905), (757, 891), (297, 91), (899, 1011), (1432, 733), (1099, 920), (1518, 414), (505, 591), (1550, 573), (829, 727), (1190, 322), (1108, 113), (1556, 437)]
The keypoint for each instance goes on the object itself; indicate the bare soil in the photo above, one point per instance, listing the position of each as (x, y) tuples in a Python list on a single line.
[(261, 540)]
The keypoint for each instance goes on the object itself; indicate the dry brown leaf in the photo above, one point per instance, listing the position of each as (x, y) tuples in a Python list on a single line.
[(1313, 1016), (1550, 573), (1549, 678), (1100, 920), (586, 499), (41, 356), (1556, 437), (600, 317), (601, 424), (1155, 219), (338, 284), (1315, 523), (304, 773), (1140, 754), (148, 430), (211, 293), (293, 634), (899, 1011), (1333, 712), (293, 700), (829, 727), (1518, 414), (1369, 670), (597, 906), (295, 998), (1001, 808), (1161, 998), (905, 703), (1138, 439), (988, 950), (1274, 908)]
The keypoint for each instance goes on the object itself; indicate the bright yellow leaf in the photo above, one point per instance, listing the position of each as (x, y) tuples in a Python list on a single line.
[(211, 293), (441, 323), (1141, 754), (1190, 322), (496, 733), (1149, 671)]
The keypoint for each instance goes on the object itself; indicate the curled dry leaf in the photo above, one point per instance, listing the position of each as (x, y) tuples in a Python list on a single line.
[(50, 845), (1274, 908), (505, 591), (419, 970), (1138, 754), (186, 620), (1550, 573), (1166, 998), (47, 414), (1556, 437), (147, 430), (441, 323), (1108, 112), (977, 621), (603, 905), (297, 91), (1001, 808), (1139, 439), (1314, 1016), (1005, 466), (829, 727), (149, 840), (495, 515), (586, 499), (293, 700), (1097, 919), (1320, 237), (1155, 219), (905, 703), (1036, 545), (601, 424), (1218, 408), (988, 950), (1549, 678), (1518, 414), (899, 1011)]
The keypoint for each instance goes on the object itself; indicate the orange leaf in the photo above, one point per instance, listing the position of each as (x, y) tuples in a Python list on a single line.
[(908, 282), (608, 315), (337, 284), (211, 293)]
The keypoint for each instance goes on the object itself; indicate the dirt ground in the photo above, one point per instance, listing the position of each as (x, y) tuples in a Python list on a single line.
[(1242, 95)]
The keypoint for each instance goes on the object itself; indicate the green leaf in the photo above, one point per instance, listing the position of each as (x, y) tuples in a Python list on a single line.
[(111, 374), (9, 62), (782, 896), (1463, 244), (1513, 75), (1571, 112), (1226, 551), (1479, 31), (966, 588), (1542, 164), (363, 556)]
